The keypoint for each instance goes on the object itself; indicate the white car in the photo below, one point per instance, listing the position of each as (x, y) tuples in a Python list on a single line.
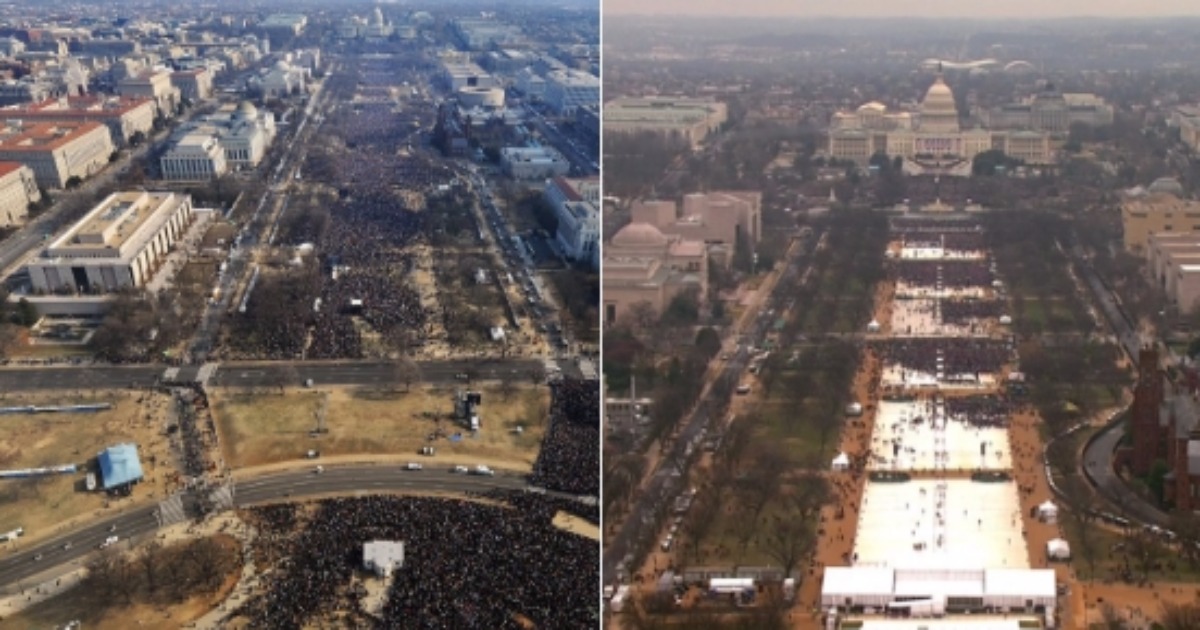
[(460, 469), (412, 466), (318, 470), (484, 471), (111, 540)]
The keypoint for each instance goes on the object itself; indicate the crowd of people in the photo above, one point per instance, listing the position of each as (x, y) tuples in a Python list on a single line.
[(985, 410), (926, 225), (951, 356), (368, 224), (959, 273), (466, 565), (953, 241), (569, 459)]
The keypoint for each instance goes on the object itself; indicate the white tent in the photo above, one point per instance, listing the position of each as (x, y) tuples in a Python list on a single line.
[(854, 409), (841, 462), (873, 327), (1058, 549), (1005, 320), (1048, 512)]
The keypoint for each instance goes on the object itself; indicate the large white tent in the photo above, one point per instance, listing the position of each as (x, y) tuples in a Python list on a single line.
[(841, 462), (1048, 512), (1058, 549)]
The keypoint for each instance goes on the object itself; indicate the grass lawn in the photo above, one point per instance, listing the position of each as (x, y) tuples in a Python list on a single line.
[(259, 429), (51, 439)]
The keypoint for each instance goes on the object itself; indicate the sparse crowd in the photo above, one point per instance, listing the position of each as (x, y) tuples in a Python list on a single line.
[(950, 274), (948, 356)]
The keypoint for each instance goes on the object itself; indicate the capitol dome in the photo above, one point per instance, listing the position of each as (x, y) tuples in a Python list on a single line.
[(938, 111), (247, 111), (639, 235)]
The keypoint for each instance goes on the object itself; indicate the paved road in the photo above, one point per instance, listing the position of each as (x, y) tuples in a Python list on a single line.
[(1097, 460), (666, 483), (134, 526), (267, 374)]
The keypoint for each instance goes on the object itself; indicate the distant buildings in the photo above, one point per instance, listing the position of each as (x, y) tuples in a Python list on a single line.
[(457, 75), (644, 266), (124, 116), (283, 26), (1187, 119), (1163, 428), (533, 162), (1158, 209), (25, 90), (375, 27), (723, 221), (57, 152), (576, 204), (195, 84), (154, 84), (934, 134), (280, 80), (18, 189), (1174, 263), (119, 244), (482, 34), (565, 91), (1051, 111), (690, 119), (232, 139)]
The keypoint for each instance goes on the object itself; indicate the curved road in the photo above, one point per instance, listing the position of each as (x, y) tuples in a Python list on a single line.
[(355, 480)]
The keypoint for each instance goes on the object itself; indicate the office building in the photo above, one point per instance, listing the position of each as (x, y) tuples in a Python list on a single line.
[(119, 244), (692, 120), (18, 189), (57, 152)]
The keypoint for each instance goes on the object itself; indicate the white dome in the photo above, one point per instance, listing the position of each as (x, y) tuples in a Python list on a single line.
[(639, 235)]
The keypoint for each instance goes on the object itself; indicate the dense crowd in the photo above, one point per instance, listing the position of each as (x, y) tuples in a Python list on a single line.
[(950, 356), (918, 225), (964, 311), (981, 411), (466, 565), (569, 459), (368, 224), (960, 273)]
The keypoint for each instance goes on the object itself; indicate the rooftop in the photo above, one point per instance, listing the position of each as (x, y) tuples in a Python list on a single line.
[(111, 223), (44, 136), (119, 465)]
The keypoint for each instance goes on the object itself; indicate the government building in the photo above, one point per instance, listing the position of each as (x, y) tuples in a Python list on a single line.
[(120, 244), (931, 135)]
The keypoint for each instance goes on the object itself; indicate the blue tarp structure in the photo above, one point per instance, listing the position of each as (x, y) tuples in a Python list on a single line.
[(119, 466)]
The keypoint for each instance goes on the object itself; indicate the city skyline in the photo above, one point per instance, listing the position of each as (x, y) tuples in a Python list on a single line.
[(1018, 9)]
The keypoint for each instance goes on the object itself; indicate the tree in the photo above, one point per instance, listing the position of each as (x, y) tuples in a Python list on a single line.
[(1180, 616), (26, 314), (708, 342), (405, 370), (788, 539), (1186, 525), (150, 561)]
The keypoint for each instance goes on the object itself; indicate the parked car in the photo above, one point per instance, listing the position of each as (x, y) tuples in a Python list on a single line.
[(462, 470), (412, 466), (484, 471)]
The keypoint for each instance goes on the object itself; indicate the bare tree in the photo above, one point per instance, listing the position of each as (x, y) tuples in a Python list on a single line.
[(406, 372), (787, 540), (150, 561), (1181, 616)]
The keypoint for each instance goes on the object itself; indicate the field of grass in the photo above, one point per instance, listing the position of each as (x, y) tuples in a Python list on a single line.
[(36, 440), (267, 428)]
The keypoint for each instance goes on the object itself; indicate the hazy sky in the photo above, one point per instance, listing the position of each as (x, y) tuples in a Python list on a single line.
[(890, 8)]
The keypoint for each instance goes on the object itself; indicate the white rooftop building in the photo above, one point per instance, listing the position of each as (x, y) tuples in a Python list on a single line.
[(383, 556), (120, 244), (567, 90), (533, 162)]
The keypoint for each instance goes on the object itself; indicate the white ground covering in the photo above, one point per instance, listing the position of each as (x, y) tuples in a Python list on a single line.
[(947, 623), (941, 524), (928, 441), (939, 253), (906, 290), (923, 318), (895, 375)]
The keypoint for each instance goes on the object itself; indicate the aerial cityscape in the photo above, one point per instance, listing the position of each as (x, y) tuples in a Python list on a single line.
[(900, 316), (599, 314), (299, 323)]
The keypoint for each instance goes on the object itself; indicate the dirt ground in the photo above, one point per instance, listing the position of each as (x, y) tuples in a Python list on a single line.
[(261, 429), (1139, 606), (576, 525), (96, 613), (43, 506)]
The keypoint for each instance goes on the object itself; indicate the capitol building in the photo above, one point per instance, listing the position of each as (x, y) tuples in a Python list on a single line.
[(932, 136)]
